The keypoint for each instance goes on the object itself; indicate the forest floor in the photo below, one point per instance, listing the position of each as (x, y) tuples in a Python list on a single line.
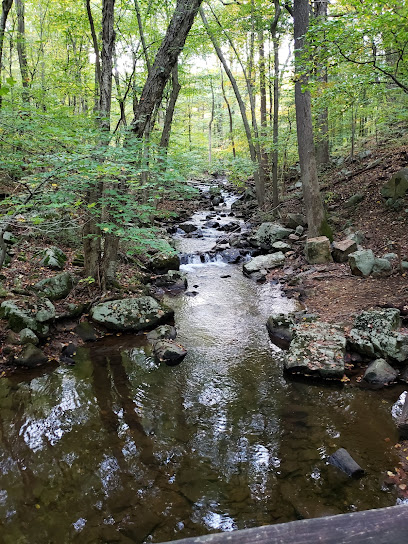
[(331, 290)]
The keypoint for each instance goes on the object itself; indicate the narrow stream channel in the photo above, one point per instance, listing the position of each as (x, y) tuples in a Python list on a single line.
[(116, 449)]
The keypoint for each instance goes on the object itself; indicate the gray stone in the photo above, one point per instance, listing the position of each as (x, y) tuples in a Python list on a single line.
[(280, 329), (317, 250), (25, 313), (172, 279), (130, 314), (341, 250), (397, 186), (169, 352), (53, 258), (382, 267), (354, 200), (293, 220), (382, 320), (163, 332), (317, 349), (375, 335), (357, 235), (269, 233), (27, 336), (31, 356), (9, 238), (361, 262), (162, 262), (390, 257), (86, 331), (266, 262), (231, 255), (281, 246), (380, 372), (188, 227), (57, 287), (299, 230)]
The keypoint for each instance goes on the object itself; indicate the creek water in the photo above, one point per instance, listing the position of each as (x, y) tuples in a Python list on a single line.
[(118, 449)]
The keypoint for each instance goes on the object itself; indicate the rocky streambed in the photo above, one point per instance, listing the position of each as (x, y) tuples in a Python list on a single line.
[(119, 446)]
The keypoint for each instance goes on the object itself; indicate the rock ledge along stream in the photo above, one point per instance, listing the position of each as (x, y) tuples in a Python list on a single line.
[(119, 449)]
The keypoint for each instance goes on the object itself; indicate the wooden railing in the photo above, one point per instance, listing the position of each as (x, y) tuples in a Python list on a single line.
[(382, 526)]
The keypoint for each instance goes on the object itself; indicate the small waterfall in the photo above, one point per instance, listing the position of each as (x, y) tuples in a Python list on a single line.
[(201, 259)]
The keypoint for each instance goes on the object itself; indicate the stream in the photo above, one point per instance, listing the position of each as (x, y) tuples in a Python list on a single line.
[(118, 449)]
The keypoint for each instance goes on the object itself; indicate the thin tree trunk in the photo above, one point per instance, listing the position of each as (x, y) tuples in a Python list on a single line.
[(252, 150), (166, 58), (322, 140), (231, 126), (97, 55), (210, 126), (275, 134), (262, 92), (108, 41), (311, 192), (142, 37), (21, 50), (168, 120), (6, 6)]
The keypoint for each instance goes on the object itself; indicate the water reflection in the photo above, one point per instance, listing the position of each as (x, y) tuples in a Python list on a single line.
[(119, 449)]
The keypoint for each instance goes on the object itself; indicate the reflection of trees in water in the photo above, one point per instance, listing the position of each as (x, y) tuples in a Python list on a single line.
[(145, 499)]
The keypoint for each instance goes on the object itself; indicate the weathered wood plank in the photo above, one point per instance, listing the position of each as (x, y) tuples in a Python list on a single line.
[(382, 526)]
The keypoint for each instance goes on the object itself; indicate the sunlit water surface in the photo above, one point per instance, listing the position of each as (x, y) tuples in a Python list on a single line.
[(117, 449)]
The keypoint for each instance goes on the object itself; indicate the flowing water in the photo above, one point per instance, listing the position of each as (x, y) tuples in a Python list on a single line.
[(118, 449)]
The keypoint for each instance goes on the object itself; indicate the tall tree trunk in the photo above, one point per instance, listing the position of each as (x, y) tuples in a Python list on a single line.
[(168, 120), (311, 192), (231, 126), (275, 134), (165, 60), (108, 43), (210, 123), (21, 50), (6, 6), (322, 140), (259, 186), (262, 92), (97, 55)]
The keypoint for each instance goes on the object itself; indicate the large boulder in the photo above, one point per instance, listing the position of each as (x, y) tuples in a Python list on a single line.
[(130, 314), (397, 186), (268, 233), (263, 262), (361, 262), (57, 287), (317, 349), (341, 250), (379, 372), (375, 334), (53, 258), (317, 250), (26, 312)]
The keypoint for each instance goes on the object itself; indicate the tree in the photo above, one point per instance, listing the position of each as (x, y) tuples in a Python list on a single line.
[(311, 192)]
